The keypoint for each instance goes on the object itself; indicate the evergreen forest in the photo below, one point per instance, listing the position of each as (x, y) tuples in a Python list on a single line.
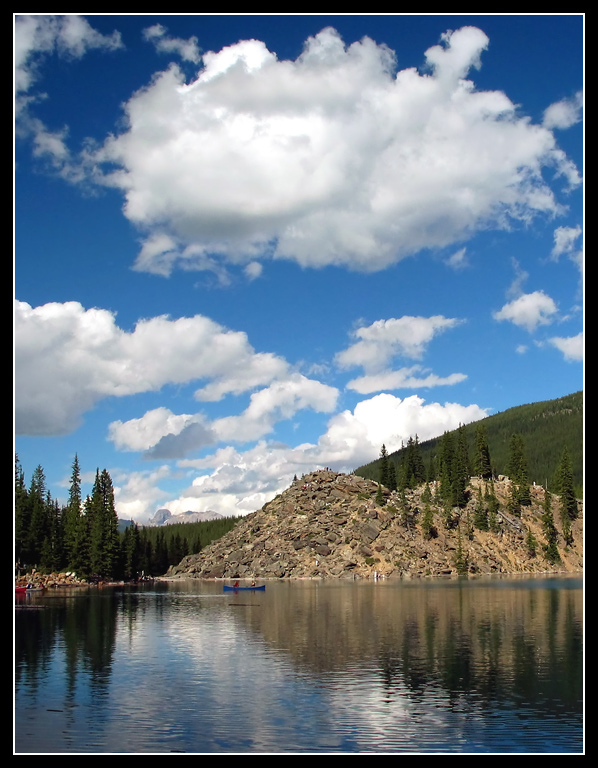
[(541, 444), (538, 435), (84, 536)]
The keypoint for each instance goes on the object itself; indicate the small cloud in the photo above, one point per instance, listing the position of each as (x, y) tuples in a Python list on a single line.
[(571, 347), (458, 260), (565, 113), (405, 378), (516, 287), (565, 239), (253, 270), (187, 49), (529, 311), (68, 36)]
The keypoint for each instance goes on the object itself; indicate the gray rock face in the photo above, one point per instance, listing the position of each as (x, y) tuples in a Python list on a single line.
[(328, 525), (165, 517), (161, 516)]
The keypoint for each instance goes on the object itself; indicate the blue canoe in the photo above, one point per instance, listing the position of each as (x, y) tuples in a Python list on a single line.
[(244, 589)]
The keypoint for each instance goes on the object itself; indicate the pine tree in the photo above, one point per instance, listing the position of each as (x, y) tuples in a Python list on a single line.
[(428, 529), (52, 551), (22, 515), (566, 488), (551, 552), (446, 460), (71, 515), (103, 527), (460, 470), (417, 469), (80, 556), (392, 477), (566, 526), (531, 543), (384, 467), (131, 553), (482, 464), (514, 501), (412, 471), (517, 470), (481, 513), (40, 518)]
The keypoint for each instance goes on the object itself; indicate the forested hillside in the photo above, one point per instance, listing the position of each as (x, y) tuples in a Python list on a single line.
[(83, 536), (540, 444), (546, 429)]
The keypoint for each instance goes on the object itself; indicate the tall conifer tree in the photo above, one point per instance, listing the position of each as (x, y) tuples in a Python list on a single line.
[(482, 464), (517, 471), (384, 467), (551, 552), (461, 470), (72, 514), (565, 487), (22, 514), (103, 527)]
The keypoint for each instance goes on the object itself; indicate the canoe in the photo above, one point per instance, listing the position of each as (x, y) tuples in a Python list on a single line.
[(244, 589)]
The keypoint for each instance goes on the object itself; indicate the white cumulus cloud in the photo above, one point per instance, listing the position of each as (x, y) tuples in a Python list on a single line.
[(413, 377), (566, 243), (235, 482), (68, 36), (572, 347), (529, 311), (564, 113), (333, 158), (161, 434), (381, 342), (187, 49), (68, 358)]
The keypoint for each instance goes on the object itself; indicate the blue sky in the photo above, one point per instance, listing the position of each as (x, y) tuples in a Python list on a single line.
[(249, 246)]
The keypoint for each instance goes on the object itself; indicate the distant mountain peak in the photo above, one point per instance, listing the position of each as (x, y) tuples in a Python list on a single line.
[(164, 516)]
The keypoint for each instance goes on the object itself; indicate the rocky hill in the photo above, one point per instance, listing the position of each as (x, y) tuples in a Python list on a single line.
[(330, 525)]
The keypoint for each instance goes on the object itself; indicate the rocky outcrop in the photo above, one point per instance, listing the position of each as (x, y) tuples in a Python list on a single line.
[(330, 525)]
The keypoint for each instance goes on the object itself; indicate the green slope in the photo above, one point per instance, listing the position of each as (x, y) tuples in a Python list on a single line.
[(546, 428)]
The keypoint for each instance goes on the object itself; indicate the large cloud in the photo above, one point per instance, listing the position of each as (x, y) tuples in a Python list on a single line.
[(334, 158), (68, 358)]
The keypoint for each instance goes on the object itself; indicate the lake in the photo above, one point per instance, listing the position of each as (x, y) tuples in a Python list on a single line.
[(426, 667)]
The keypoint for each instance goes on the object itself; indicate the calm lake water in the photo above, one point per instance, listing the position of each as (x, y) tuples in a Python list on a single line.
[(304, 667)]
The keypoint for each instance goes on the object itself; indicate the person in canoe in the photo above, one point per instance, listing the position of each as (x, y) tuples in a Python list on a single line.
[(236, 584)]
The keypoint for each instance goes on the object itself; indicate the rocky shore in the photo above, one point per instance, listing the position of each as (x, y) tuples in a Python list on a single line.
[(49, 580), (331, 525)]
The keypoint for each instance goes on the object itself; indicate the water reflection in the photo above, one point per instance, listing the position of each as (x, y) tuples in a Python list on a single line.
[(306, 666)]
